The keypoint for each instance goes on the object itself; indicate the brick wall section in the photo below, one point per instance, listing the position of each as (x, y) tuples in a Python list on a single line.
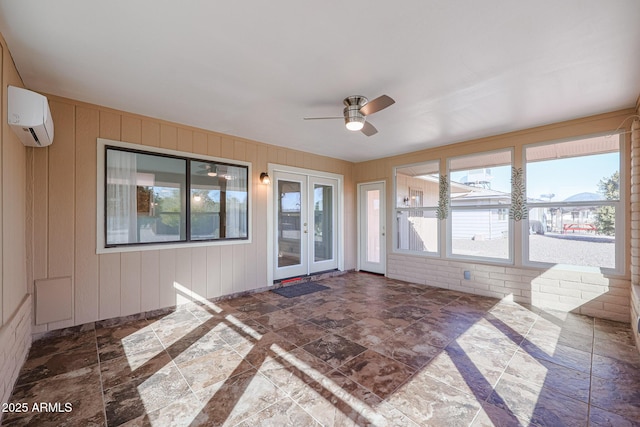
[(15, 341), (580, 292), (635, 227), (635, 312)]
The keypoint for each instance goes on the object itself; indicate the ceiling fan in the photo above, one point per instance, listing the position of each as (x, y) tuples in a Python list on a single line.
[(355, 110), (207, 169), (214, 170)]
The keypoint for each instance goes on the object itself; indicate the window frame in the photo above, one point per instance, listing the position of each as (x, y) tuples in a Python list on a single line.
[(409, 210), (620, 214), (101, 217), (449, 221)]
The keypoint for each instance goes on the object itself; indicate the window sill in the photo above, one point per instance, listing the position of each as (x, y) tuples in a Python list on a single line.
[(161, 246)]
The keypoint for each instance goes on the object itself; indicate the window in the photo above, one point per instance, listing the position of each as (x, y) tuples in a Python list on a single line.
[(574, 200), (417, 190), (155, 198), (480, 198)]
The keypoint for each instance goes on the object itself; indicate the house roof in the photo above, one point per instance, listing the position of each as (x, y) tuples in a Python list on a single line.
[(457, 70)]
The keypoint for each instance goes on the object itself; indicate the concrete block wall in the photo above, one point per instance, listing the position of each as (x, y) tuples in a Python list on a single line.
[(635, 226), (15, 341), (581, 292)]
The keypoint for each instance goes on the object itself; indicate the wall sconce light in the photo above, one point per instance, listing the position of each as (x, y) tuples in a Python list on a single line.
[(264, 178)]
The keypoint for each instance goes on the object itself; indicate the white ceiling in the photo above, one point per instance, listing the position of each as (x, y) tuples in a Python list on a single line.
[(458, 69)]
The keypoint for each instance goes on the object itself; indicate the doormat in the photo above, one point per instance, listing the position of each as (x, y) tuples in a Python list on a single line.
[(299, 289)]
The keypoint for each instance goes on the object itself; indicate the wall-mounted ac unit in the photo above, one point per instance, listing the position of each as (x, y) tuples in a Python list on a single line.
[(29, 116)]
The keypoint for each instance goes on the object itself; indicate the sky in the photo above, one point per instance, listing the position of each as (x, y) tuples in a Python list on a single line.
[(566, 177)]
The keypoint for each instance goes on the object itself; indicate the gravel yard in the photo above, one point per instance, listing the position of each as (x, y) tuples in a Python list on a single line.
[(574, 249), (593, 251)]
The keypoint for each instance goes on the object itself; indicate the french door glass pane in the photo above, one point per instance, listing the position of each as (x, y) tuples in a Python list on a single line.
[(289, 223), (373, 226), (323, 222)]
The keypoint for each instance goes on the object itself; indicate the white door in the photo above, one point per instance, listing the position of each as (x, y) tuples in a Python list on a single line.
[(305, 224), (372, 236)]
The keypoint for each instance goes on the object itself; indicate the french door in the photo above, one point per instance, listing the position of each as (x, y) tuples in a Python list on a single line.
[(305, 224)]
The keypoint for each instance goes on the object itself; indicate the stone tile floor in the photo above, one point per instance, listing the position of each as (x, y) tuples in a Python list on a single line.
[(368, 351)]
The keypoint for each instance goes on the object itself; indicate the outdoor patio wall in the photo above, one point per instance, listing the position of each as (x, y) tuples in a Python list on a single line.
[(119, 284), (548, 288), (635, 226), (15, 302)]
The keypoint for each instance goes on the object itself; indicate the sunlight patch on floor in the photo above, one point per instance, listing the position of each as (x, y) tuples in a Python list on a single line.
[(186, 295)]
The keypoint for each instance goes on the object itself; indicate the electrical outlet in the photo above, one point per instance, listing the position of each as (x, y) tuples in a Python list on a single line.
[(467, 275)]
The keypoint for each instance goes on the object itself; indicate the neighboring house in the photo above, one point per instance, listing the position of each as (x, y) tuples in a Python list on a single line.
[(479, 224)]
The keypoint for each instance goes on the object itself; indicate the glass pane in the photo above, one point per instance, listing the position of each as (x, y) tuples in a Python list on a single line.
[(289, 223), (323, 222), (417, 230), (218, 201), (575, 179), (480, 232), (144, 198), (483, 179), (418, 185), (578, 235), (373, 226), (236, 206)]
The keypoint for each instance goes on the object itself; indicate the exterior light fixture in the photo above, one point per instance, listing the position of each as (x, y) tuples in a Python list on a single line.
[(264, 178)]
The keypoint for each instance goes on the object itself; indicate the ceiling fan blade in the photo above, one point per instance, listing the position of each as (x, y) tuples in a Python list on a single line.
[(380, 103), (369, 129), (323, 118)]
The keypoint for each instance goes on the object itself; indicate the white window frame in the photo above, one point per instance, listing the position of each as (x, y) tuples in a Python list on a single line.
[(100, 200), (449, 221), (396, 209), (620, 217)]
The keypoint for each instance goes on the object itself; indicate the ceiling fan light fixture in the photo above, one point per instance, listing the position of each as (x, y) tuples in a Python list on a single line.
[(353, 119), (354, 124)]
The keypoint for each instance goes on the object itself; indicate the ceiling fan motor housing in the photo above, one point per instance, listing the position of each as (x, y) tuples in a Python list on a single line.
[(353, 118)]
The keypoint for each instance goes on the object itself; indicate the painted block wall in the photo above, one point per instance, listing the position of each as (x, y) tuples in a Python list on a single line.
[(635, 226), (15, 341), (552, 288)]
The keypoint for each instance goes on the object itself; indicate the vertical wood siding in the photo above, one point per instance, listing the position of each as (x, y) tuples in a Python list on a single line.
[(120, 284)]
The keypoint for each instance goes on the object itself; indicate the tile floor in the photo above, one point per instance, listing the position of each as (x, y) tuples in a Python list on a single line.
[(367, 351)]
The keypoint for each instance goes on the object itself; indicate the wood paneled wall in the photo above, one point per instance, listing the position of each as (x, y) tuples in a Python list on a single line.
[(120, 284), (15, 302)]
